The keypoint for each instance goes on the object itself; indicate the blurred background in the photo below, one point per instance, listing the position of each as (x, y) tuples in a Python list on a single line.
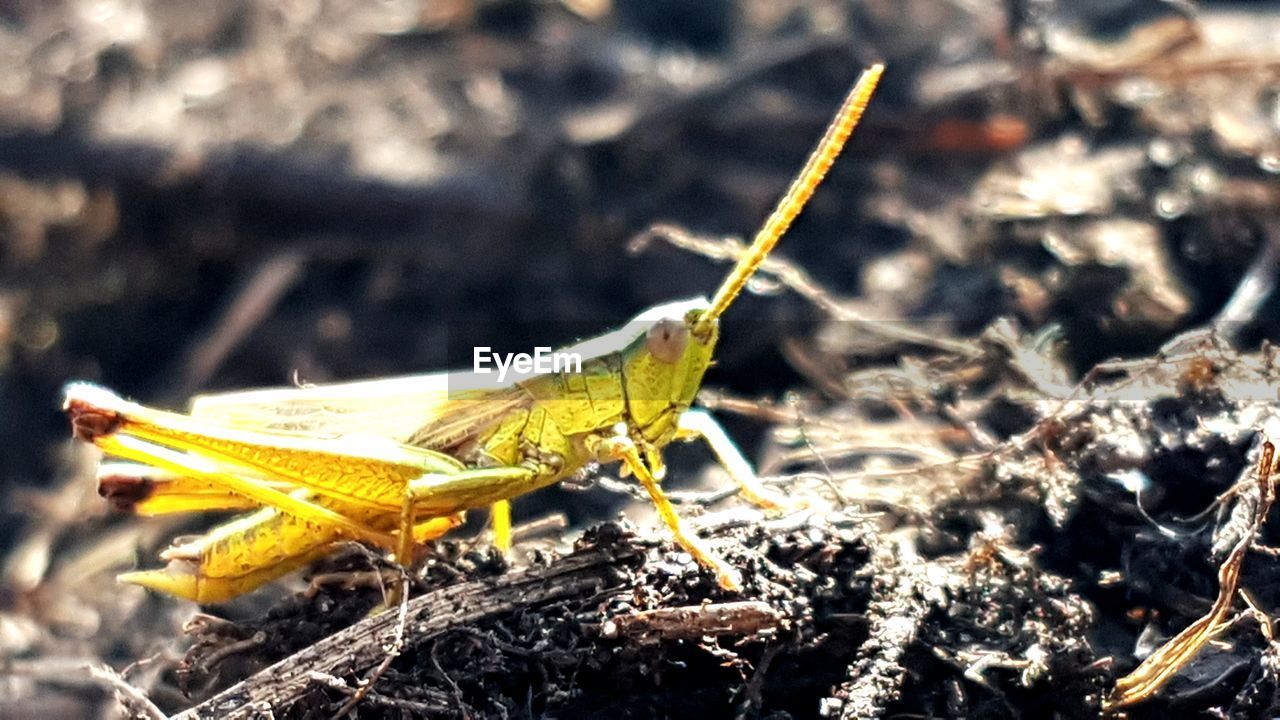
[(198, 196)]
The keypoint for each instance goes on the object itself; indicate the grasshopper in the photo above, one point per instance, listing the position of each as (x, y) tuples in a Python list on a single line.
[(396, 462)]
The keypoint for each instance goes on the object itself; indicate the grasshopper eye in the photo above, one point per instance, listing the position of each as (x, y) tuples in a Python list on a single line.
[(667, 339)]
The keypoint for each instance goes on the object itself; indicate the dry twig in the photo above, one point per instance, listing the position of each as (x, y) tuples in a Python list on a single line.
[(1147, 679)]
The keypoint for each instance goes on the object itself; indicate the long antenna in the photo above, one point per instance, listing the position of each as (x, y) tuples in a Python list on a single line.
[(820, 160)]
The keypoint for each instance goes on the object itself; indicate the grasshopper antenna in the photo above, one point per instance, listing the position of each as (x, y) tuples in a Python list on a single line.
[(815, 168)]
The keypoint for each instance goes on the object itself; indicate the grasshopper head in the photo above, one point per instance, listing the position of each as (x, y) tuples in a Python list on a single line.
[(664, 363)]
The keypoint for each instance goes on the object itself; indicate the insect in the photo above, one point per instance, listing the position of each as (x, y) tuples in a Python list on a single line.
[(396, 462)]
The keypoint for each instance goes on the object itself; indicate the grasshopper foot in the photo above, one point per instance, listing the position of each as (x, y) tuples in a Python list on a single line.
[(728, 577), (772, 502)]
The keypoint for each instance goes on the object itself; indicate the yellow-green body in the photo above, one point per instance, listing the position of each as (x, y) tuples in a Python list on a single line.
[(546, 422)]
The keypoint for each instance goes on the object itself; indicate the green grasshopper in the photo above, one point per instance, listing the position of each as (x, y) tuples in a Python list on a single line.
[(396, 462)]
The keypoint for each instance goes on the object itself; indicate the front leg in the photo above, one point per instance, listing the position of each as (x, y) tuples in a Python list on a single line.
[(622, 448), (700, 424)]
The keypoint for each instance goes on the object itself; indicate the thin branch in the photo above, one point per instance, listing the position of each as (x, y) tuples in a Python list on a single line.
[(744, 619)]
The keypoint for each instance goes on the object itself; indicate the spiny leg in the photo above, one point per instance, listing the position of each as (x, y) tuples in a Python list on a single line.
[(328, 483), (238, 557), (700, 424), (624, 449), (357, 474), (187, 465), (356, 470), (150, 491), (224, 563)]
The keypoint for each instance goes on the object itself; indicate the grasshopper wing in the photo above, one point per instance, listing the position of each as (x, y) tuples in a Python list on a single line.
[(395, 408)]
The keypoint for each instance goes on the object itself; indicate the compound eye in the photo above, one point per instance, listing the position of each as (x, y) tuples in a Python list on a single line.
[(667, 339)]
